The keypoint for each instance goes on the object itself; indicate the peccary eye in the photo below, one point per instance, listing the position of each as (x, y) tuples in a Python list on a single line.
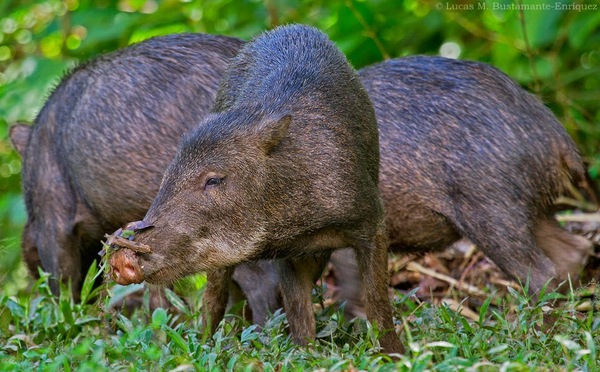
[(214, 181)]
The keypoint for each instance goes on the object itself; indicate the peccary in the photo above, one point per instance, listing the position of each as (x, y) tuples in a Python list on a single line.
[(96, 154), (466, 152), (121, 116), (286, 167)]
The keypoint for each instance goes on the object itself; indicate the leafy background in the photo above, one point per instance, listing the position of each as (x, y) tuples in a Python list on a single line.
[(555, 53)]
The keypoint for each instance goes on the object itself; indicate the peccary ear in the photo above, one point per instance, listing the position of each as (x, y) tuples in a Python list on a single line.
[(272, 131), (19, 137)]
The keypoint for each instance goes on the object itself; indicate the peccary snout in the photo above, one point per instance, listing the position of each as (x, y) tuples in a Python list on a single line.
[(125, 268)]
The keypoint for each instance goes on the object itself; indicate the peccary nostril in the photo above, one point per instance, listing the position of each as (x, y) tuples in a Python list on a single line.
[(124, 275)]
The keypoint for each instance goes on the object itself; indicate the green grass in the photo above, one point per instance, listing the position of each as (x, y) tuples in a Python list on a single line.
[(45, 333)]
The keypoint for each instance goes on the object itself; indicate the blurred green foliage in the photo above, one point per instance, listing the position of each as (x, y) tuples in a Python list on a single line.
[(559, 59)]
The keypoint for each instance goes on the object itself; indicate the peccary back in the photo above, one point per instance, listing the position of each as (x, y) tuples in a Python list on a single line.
[(467, 152)]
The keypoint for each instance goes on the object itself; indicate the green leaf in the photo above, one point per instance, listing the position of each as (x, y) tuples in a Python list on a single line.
[(159, 317), (126, 234), (176, 301), (89, 281), (15, 308), (119, 292), (498, 349), (484, 308), (580, 31), (176, 338), (124, 323), (66, 308), (249, 334)]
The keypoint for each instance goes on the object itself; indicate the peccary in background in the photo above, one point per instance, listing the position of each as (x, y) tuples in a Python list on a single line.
[(466, 152), (101, 145), (95, 156), (286, 167)]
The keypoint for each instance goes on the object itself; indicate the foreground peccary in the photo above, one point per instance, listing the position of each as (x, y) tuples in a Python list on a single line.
[(466, 152), (286, 167), (96, 154)]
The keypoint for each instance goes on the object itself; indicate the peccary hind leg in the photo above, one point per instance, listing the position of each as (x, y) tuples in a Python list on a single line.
[(508, 239), (569, 252), (258, 283), (372, 264), (347, 281)]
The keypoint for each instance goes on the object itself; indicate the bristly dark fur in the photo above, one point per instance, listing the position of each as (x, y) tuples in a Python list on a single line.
[(457, 130), (467, 152), (103, 140), (286, 167)]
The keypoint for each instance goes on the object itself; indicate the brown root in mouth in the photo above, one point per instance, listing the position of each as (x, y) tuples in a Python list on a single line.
[(119, 242)]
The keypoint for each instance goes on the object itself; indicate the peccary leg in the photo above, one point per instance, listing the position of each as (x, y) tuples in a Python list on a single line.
[(259, 282), (569, 252), (236, 295), (296, 285), (31, 257), (509, 241), (348, 282), (372, 265), (60, 260), (215, 297)]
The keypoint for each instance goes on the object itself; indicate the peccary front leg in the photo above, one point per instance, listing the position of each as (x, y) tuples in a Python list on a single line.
[(61, 258), (216, 294), (297, 279), (372, 264), (31, 256)]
